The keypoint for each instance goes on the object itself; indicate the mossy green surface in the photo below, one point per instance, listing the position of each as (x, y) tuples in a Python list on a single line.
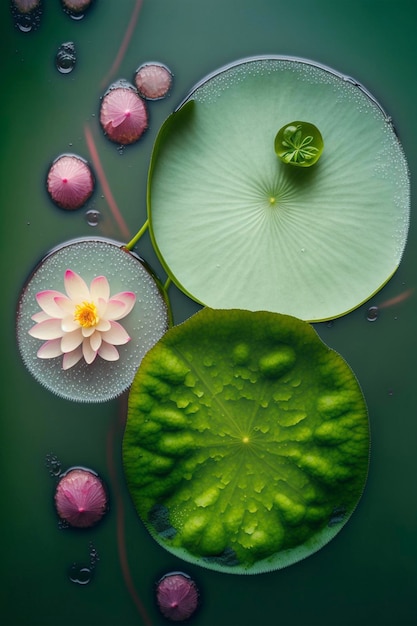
[(247, 441)]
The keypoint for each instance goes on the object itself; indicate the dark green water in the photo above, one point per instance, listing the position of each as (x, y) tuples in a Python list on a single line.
[(368, 574)]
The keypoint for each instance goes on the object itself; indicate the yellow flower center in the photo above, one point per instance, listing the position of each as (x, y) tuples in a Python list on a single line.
[(86, 314)]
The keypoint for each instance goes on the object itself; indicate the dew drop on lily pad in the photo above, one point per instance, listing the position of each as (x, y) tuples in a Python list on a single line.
[(253, 232), (247, 441), (101, 365)]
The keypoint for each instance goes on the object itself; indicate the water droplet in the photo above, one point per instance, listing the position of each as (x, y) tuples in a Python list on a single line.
[(66, 57), (93, 217), (53, 464), (79, 574), (372, 314)]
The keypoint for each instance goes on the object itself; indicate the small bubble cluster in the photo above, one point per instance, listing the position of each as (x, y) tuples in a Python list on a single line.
[(26, 14), (66, 57)]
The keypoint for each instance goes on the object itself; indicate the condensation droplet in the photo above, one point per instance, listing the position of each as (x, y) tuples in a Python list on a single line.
[(93, 217), (66, 57), (372, 314)]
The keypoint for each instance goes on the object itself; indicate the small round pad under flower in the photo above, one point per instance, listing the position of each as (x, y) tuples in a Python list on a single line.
[(86, 317)]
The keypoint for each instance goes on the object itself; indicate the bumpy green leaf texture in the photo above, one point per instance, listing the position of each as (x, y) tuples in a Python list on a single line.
[(247, 441)]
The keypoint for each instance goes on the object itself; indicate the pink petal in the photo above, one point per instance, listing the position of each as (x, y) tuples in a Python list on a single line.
[(116, 335), (95, 341), (71, 358), (46, 300), (100, 288), (76, 287), (71, 341), (120, 305), (108, 352), (65, 305), (49, 329), (88, 353), (50, 349)]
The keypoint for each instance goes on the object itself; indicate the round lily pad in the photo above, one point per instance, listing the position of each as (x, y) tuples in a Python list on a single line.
[(247, 441), (235, 227), (149, 318)]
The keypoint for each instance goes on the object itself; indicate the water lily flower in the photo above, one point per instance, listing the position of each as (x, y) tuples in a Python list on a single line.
[(83, 322)]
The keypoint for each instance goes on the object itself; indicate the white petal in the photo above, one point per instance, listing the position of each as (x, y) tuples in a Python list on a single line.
[(71, 358), (103, 325), (88, 353), (41, 316), (108, 352), (50, 349), (69, 324), (87, 331), (49, 329), (100, 288), (116, 335), (46, 300), (114, 309), (76, 287), (70, 341), (95, 341)]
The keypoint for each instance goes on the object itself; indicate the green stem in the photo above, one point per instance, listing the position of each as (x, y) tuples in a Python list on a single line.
[(167, 284), (132, 243)]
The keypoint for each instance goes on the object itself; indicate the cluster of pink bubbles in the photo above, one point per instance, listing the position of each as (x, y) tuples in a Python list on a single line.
[(81, 497)]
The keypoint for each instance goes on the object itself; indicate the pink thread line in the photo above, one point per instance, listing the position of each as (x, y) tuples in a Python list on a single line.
[(125, 42), (104, 183), (121, 540)]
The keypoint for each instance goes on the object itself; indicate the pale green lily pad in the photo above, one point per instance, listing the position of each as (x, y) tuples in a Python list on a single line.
[(247, 441), (235, 227)]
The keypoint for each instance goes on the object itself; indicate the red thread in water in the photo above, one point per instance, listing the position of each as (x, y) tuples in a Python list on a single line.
[(104, 182), (118, 504), (125, 42)]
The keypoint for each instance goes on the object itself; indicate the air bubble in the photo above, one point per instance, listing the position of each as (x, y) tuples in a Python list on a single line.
[(80, 573), (372, 314), (53, 464), (93, 217), (66, 58)]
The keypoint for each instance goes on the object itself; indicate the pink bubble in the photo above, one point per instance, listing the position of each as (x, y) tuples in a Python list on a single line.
[(70, 181), (177, 596), (123, 114), (80, 498), (153, 81)]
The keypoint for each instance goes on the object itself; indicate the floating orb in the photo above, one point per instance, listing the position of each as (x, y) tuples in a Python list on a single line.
[(123, 113), (26, 14), (81, 498), (246, 446), (299, 144), (153, 81), (177, 596), (313, 242), (100, 380), (66, 58), (70, 182), (25, 6)]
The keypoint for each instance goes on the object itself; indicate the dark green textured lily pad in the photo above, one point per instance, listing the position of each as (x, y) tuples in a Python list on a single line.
[(247, 441)]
